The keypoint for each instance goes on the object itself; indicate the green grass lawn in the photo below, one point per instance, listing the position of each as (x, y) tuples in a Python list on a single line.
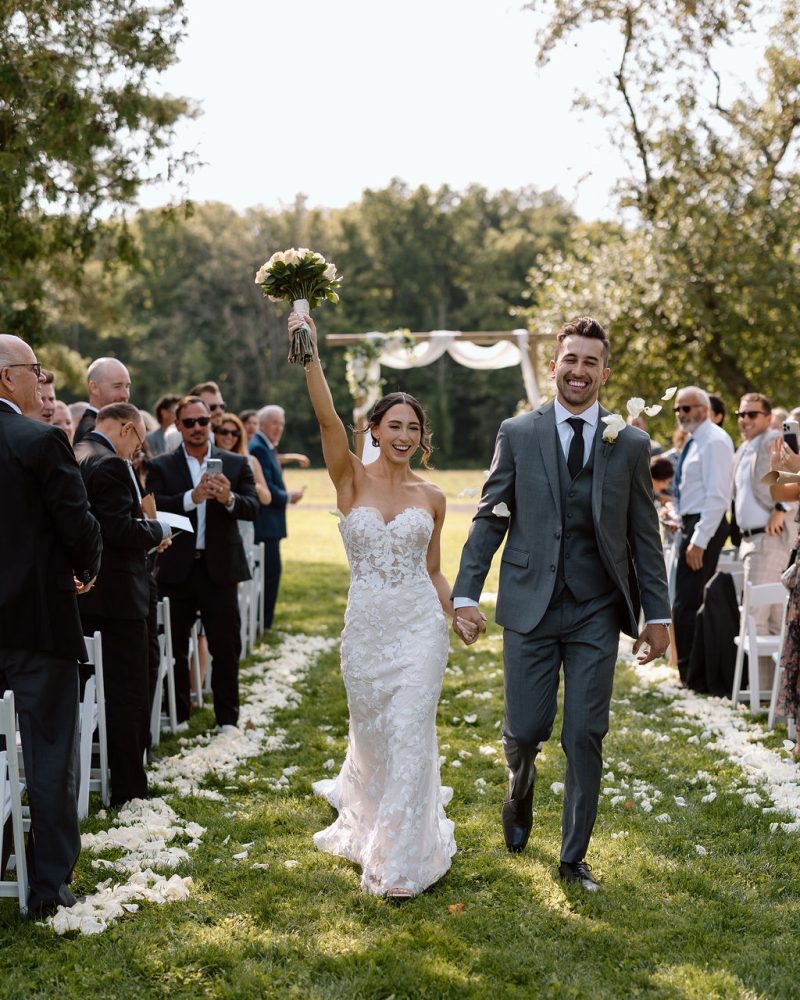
[(670, 922)]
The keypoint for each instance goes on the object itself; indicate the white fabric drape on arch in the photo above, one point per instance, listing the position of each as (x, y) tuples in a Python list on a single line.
[(503, 354)]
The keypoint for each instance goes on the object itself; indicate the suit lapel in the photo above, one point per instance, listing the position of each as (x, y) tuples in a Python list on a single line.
[(601, 453), (545, 424)]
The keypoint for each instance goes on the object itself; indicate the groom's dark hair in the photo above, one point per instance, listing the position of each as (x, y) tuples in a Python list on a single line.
[(584, 326)]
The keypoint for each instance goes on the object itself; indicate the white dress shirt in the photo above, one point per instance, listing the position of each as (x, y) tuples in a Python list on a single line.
[(749, 512), (196, 471), (565, 432), (707, 480), (13, 406)]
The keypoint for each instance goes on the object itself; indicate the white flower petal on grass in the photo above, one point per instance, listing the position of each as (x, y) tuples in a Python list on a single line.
[(557, 787), (259, 864), (680, 801), (329, 764), (670, 392), (240, 856), (700, 849), (480, 782), (619, 834), (455, 763), (487, 751), (290, 864), (663, 818), (470, 719)]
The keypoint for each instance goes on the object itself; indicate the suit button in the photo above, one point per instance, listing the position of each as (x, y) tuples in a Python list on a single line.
[(552, 569), (569, 515), (566, 555), (571, 494), (558, 534)]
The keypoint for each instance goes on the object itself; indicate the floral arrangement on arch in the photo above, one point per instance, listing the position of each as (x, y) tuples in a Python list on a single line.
[(305, 279), (361, 357)]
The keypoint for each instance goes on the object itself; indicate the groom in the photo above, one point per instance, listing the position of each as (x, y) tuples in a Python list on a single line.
[(583, 545)]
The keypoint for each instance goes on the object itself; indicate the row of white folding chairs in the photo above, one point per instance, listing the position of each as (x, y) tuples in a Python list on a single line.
[(12, 787), (755, 645), (251, 599)]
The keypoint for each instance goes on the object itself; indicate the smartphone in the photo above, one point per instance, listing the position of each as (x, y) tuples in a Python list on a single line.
[(791, 435), (214, 466)]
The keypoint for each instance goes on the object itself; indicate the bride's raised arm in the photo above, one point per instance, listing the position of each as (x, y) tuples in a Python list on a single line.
[(339, 460)]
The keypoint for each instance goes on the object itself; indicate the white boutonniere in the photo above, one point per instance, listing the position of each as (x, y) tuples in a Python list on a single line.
[(501, 510)]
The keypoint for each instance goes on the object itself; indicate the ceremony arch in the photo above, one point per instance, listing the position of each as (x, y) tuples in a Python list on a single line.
[(489, 350)]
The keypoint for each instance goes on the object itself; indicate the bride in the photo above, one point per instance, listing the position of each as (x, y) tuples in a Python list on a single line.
[(394, 649)]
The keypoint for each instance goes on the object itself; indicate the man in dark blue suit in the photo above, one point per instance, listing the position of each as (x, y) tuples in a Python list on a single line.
[(270, 524)]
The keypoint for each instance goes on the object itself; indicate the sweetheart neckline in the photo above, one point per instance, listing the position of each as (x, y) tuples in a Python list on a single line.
[(386, 523)]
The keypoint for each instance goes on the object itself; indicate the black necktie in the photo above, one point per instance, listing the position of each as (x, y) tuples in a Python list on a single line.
[(575, 456)]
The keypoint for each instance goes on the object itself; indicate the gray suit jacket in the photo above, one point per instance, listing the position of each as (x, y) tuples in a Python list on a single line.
[(524, 476)]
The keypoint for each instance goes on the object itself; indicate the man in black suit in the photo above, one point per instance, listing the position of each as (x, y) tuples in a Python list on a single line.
[(109, 382), (50, 546), (119, 604), (201, 570)]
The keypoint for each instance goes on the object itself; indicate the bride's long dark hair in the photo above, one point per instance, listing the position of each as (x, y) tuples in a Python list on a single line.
[(394, 399)]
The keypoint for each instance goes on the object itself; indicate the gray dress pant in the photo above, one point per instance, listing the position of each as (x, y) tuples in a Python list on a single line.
[(584, 637)]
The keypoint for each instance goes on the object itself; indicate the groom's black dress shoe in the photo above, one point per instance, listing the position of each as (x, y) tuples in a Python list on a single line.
[(517, 818), (578, 872)]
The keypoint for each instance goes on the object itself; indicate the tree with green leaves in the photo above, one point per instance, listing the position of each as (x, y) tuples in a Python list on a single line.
[(80, 131), (703, 286)]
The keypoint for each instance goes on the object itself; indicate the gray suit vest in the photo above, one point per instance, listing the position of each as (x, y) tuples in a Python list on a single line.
[(580, 567)]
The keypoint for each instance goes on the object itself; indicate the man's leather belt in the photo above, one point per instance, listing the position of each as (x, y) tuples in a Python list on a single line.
[(199, 553), (749, 532)]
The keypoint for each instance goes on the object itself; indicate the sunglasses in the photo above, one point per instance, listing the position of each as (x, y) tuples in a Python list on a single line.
[(213, 407), (191, 421), (751, 414), (685, 407), (226, 432)]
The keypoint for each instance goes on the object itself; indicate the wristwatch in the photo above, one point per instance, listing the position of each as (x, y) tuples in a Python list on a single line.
[(780, 507)]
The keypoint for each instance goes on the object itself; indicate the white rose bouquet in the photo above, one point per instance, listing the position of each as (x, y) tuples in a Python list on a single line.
[(305, 279)]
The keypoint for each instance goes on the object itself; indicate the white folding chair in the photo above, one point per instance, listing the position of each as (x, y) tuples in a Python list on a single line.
[(258, 579), (11, 789), (729, 562), (749, 641), (166, 673), (194, 664), (93, 721), (244, 616)]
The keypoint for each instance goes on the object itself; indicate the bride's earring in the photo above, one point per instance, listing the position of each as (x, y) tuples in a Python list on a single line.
[(375, 441)]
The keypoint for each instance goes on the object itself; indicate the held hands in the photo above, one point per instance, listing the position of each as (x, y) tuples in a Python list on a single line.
[(694, 557), (656, 637), (468, 624), (216, 487), (296, 321), (83, 588)]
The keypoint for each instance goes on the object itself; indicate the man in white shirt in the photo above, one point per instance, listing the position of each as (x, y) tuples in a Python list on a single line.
[(702, 496), (766, 536)]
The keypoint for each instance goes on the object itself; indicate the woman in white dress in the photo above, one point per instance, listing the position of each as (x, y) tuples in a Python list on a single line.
[(394, 650)]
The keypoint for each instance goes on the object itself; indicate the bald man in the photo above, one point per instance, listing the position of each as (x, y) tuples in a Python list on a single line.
[(109, 382), (50, 545)]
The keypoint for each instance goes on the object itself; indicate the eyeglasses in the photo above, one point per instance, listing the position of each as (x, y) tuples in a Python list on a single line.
[(213, 407), (191, 421), (751, 414), (686, 407), (227, 432), (139, 438), (36, 368)]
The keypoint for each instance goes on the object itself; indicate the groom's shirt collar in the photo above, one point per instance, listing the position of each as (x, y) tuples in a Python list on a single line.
[(591, 416)]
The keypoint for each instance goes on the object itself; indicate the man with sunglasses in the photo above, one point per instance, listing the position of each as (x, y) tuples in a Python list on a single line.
[(201, 570), (702, 496), (118, 606), (50, 549), (762, 525)]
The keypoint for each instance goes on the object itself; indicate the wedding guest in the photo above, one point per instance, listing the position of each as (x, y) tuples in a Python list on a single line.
[(230, 436), (250, 420), (718, 409), (77, 410), (779, 414), (62, 418), (783, 458), (48, 397), (50, 545), (109, 382), (766, 535), (702, 497), (270, 525), (210, 393), (165, 415), (661, 473), (119, 605), (201, 570)]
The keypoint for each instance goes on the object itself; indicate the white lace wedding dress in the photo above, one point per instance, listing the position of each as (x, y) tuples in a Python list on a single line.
[(394, 650)]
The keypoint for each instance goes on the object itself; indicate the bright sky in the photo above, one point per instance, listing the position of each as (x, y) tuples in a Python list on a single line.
[(328, 98)]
